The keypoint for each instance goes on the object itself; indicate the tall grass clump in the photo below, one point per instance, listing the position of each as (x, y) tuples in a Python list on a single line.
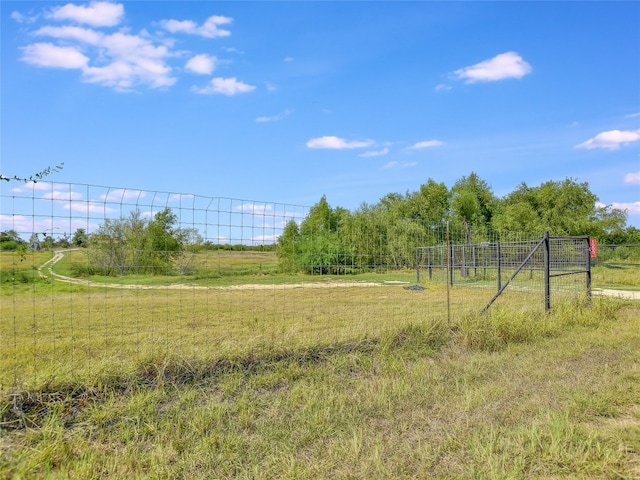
[(426, 337), (500, 327)]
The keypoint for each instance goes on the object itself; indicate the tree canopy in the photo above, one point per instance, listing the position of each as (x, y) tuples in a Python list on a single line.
[(337, 239), (135, 244)]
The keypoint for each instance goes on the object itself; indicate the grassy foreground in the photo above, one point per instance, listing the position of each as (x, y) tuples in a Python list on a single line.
[(509, 396)]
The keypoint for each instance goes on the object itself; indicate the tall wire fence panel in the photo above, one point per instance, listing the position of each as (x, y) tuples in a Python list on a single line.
[(517, 273), (99, 281), (616, 266)]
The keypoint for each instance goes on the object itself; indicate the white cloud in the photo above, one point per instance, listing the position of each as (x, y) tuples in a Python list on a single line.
[(60, 195), (81, 34), (274, 118), (123, 60), (123, 76), (96, 14), (209, 29), (375, 153), (24, 225), (633, 208), (265, 239), (225, 86), (426, 144), (35, 186), (179, 197), (86, 208), (21, 18), (396, 164), (633, 178), (500, 67), (121, 194), (53, 56), (632, 115), (202, 64), (337, 143), (255, 209), (443, 87), (288, 59), (611, 140)]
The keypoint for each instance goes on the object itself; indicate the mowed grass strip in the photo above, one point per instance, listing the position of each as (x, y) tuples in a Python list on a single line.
[(491, 397)]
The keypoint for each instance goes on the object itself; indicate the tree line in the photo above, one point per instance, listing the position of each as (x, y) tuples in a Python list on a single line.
[(336, 240)]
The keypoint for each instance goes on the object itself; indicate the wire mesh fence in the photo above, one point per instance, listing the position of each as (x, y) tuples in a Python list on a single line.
[(618, 255), (99, 280), (530, 268)]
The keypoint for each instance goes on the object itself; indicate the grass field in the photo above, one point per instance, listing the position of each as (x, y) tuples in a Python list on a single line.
[(559, 399), (64, 332), (311, 380)]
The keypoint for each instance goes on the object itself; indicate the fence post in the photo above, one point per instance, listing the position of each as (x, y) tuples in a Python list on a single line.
[(450, 272), (547, 267), (588, 269), (499, 266), (450, 261)]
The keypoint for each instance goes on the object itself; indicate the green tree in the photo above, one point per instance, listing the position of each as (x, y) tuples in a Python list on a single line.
[(366, 233), (10, 235), (163, 241), (107, 252), (430, 204), (472, 204), (286, 249), (319, 245), (10, 240), (561, 207), (137, 245), (80, 238)]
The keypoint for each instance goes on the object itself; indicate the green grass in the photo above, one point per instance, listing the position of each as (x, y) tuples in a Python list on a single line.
[(225, 268), (311, 382), (71, 335), (428, 401), (619, 276), (18, 270)]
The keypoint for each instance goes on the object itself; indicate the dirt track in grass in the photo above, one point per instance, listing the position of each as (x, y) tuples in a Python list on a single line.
[(46, 270)]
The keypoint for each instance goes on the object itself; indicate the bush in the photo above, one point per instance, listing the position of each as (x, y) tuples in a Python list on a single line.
[(81, 270), (9, 245), (623, 252)]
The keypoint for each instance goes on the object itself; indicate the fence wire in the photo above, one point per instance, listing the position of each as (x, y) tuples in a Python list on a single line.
[(100, 280)]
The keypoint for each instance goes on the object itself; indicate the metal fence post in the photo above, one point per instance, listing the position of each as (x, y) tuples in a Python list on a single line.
[(450, 272), (498, 253), (588, 269), (547, 279)]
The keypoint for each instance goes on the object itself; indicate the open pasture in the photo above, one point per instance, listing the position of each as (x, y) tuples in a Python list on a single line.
[(56, 330), (72, 334), (263, 375)]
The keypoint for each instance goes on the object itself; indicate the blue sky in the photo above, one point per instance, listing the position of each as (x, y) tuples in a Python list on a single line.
[(287, 101)]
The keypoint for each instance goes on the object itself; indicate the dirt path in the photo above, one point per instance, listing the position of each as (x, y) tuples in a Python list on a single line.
[(59, 254), (46, 271), (626, 294)]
